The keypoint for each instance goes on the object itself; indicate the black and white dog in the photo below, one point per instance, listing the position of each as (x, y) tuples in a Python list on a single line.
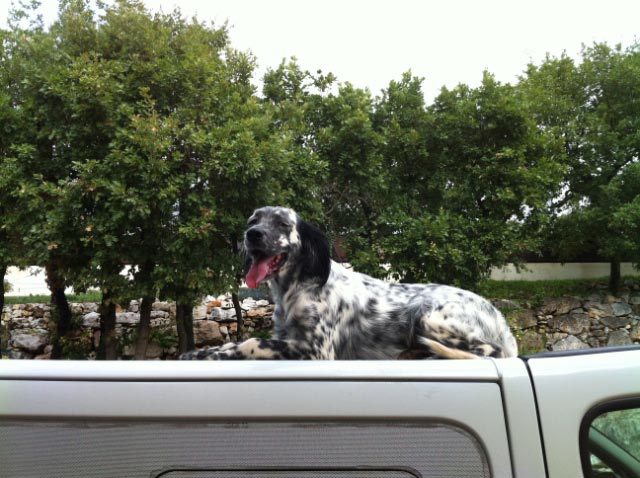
[(325, 311)]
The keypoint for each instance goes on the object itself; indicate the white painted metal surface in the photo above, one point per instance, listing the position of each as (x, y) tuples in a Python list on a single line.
[(522, 421), (567, 388), (462, 393), (284, 370), (492, 399)]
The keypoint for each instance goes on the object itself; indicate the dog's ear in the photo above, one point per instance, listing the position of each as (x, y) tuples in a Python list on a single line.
[(315, 256)]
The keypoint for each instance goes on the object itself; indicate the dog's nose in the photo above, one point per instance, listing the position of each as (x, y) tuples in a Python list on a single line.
[(254, 235)]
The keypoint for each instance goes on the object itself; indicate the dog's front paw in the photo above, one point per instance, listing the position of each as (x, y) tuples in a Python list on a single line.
[(207, 353)]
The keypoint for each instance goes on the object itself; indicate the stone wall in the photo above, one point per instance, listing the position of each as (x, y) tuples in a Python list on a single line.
[(25, 328), (569, 323), (563, 323)]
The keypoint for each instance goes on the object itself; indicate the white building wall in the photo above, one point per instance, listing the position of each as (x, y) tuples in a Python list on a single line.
[(30, 281), (554, 270)]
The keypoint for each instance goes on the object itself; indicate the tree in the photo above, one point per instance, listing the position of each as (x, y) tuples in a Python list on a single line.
[(146, 147), (401, 118), (440, 193), (11, 227), (38, 156), (293, 99), (338, 177), (482, 182), (10, 224), (597, 116), (169, 196), (348, 143)]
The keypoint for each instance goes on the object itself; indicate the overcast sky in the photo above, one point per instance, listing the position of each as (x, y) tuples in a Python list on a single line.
[(370, 42)]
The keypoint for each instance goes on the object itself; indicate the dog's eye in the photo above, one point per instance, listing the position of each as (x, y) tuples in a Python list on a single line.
[(252, 222)]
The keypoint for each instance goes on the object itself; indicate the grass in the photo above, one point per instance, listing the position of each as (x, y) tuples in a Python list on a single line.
[(91, 296), (96, 296), (533, 291), (537, 290)]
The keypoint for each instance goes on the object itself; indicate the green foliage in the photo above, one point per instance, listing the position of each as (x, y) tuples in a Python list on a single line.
[(592, 108), (139, 142), (133, 138), (126, 338), (530, 350), (436, 247), (440, 193), (77, 345), (164, 336), (471, 182), (261, 334)]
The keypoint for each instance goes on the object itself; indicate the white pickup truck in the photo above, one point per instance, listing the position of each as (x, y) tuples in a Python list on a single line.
[(556, 416)]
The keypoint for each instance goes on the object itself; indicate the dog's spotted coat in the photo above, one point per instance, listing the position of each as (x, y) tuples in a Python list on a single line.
[(325, 311)]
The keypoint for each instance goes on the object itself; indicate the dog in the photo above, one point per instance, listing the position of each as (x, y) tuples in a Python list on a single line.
[(324, 311)]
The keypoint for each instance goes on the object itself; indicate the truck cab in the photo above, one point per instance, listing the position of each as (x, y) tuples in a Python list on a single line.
[(548, 415)]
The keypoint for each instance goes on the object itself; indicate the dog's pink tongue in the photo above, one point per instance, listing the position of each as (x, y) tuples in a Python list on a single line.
[(257, 273)]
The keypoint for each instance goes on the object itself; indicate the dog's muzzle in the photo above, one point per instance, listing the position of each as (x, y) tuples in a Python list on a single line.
[(265, 262)]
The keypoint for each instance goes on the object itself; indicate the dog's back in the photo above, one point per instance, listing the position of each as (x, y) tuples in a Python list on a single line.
[(365, 318)]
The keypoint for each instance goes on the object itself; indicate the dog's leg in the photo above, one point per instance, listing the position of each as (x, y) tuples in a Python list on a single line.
[(417, 353), (484, 349), (252, 349), (473, 350), (442, 351)]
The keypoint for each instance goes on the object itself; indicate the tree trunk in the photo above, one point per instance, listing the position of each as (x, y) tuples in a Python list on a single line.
[(3, 271), (62, 311), (614, 276), (184, 323), (144, 328), (236, 305), (108, 349), (234, 296), (181, 330)]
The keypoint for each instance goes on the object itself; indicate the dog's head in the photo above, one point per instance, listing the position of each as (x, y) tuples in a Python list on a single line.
[(280, 245)]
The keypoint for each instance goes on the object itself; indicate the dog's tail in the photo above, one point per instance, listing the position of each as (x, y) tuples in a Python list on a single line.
[(443, 351)]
